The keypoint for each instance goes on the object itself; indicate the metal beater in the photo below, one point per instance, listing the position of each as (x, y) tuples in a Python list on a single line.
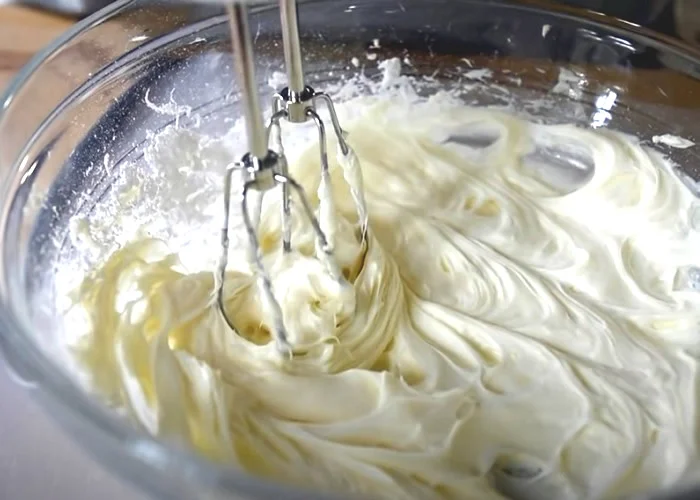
[(265, 167)]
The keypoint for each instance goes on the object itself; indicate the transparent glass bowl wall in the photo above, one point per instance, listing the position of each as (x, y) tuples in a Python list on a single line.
[(84, 98)]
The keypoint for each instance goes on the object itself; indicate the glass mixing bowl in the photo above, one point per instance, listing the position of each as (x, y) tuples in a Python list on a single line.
[(76, 120)]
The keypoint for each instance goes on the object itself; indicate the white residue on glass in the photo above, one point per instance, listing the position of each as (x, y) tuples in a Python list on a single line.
[(673, 141), (170, 108), (570, 84)]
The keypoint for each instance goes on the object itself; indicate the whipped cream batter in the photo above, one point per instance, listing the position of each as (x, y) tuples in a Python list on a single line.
[(520, 322)]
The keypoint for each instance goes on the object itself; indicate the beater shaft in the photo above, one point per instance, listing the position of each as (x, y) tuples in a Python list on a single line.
[(245, 69), (292, 45)]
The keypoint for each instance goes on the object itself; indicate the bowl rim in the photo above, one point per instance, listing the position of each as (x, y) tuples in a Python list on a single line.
[(32, 366)]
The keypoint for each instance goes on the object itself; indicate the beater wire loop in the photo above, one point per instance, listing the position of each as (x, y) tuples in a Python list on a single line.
[(265, 166)]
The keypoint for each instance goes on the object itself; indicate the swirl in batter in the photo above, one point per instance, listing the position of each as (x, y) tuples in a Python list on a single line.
[(519, 323)]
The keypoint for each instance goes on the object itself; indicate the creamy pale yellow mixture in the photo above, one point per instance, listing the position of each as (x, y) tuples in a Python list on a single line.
[(512, 328)]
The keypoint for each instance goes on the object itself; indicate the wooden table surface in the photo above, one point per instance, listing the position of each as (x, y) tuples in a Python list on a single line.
[(24, 31)]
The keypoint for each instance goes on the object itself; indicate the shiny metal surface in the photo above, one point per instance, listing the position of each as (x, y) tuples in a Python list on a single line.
[(245, 72), (292, 50)]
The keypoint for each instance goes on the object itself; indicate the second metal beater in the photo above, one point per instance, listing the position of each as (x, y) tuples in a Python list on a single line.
[(265, 167)]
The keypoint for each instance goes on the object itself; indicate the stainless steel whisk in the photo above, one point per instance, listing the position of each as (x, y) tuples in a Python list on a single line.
[(265, 168)]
